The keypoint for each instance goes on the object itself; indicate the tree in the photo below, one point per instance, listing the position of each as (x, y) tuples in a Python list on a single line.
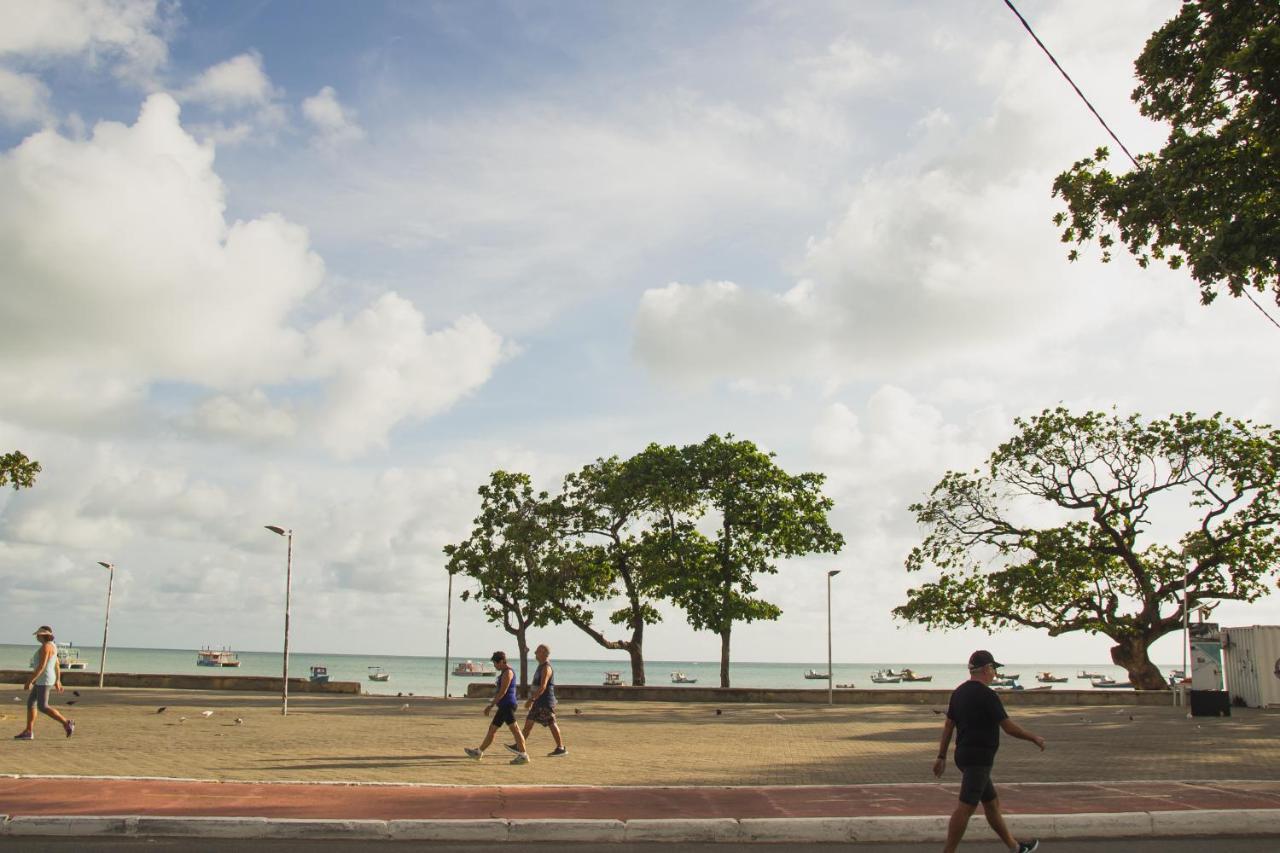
[(510, 554), (1211, 197), (611, 505), (18, 470), (1094, 567), (759, 514)]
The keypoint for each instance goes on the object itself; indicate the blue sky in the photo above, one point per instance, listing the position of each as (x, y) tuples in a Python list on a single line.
[(326, 265)]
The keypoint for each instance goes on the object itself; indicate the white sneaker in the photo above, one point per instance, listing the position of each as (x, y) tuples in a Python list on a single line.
[(521, 758), (474, 753)]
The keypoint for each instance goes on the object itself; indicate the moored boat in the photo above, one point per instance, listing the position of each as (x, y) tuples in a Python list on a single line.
[(377, 673), (912, 675), (847, 686), (208, 656), (69, 657), (680, 677), (613, 679), (320, 674), (814, 674), (1050, 678), (1111, 683), (885, 676), (469, 669), (1089, 676)]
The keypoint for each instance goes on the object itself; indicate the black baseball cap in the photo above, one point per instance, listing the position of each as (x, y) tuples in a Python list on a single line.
[(981, 658)]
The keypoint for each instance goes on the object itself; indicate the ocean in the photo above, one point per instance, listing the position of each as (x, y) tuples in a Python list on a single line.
[(424, 676)]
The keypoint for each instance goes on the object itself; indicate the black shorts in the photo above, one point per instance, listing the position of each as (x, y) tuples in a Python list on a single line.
[(975, 784), (39, 697), (505, 715)]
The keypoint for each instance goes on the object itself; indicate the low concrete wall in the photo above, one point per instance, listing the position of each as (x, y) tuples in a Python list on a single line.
[(799, 696), (261, 683)]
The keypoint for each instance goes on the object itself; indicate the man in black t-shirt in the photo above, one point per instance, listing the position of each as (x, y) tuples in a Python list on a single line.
[(977, 715)]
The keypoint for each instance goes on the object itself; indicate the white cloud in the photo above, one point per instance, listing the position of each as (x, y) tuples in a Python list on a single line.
[(120, 271), (237, 83), (23, 98), (126, 32), (335, 125)]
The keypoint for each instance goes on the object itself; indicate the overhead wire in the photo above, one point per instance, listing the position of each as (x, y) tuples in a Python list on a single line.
[(1107, 127)]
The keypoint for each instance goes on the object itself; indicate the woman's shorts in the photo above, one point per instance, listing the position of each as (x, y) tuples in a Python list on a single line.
[(39, 697), (504, 716), (543, 715)]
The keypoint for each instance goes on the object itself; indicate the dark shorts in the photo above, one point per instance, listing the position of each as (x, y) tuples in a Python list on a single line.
[(39, 697), (975, 784), (542, 714), (505, 715)]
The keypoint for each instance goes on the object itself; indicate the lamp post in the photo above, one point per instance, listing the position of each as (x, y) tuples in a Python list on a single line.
[(448, 622), (830, 674), (106, 623), (288, 582)]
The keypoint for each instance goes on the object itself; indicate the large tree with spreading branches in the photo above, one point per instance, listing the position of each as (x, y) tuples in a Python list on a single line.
[(1069, 527)]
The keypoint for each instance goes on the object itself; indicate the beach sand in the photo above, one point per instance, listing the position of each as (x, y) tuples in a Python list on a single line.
[(376, 739)]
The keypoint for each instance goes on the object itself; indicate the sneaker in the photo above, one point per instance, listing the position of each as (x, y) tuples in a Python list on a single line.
[(24, 736), (69, 727), (474, 753), (512, 748), (559, 750), (521, 758), (1029, 846)]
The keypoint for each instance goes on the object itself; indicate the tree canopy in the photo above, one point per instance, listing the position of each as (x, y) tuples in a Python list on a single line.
[(18, 470), (1058, 532), (1210, 198)]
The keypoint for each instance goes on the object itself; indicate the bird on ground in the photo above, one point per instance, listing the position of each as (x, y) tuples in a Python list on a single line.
[(936, 710), (239, 721), (206, 713), (577, 712), (72, 701), (404, 707), (75, 692), (780, 717), (719, 712), (17, 698), (162, 709), (182, 720)]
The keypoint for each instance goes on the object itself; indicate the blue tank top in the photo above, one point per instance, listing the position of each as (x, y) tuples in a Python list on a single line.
[(549, 696), (508, 699)]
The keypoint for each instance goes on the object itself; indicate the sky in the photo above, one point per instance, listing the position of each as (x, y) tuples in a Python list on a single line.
[(326, 266)]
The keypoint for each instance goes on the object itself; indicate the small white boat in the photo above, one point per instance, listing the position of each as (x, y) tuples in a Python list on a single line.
[(1111, 683), (1089, 676), (208, 656), (320, 674), (468, 669), (613, 679), (814, 674), (679, 677), (1050, 678), (1009, 681), (377, 673), (885, 676), (69, 657)]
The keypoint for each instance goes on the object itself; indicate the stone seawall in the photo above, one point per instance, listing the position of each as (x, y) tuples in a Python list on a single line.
[(261, 683), (799, 696)]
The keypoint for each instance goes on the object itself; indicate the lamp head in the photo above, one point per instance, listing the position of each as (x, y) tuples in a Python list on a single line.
[(833, 573), (280, 530), (106, 565)]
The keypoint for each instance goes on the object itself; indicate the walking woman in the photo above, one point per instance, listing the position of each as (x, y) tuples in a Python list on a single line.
[(45, 673)]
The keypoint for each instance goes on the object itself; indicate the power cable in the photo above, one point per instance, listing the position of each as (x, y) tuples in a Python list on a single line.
[(1112, 133)]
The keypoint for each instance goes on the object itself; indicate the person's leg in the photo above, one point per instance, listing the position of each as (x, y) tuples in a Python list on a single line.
[(52, 711), (528, 726), (555, 733), (957, 825), (488, 737), (520, 742), (994, 817), (32, 697)]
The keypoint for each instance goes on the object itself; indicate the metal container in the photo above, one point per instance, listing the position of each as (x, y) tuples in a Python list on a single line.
[(1252, 664)]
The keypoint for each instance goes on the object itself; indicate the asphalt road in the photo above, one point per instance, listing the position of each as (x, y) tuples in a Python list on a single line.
[(191, 845)]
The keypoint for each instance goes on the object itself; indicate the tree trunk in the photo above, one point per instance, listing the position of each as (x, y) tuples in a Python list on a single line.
[(522, 641), (1131, 653), (636, 650), (724, 657)]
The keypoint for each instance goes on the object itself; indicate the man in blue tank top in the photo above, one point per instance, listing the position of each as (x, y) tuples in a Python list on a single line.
[(505, 701), (978, 715), (46, 675), (542, 702)]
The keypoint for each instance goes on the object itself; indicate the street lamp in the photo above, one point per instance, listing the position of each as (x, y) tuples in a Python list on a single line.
[(830, 692), (288, 582), (106, 623), (448, 622)]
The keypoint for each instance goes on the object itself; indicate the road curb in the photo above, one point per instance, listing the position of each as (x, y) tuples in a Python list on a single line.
[(926, 829)]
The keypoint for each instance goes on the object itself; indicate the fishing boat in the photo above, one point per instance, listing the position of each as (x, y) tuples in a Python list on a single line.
[(69, 657), (613, 679), (320, 674), (1008, 681), (468, 669), (377, 673), (848, 686), (1177, 676), (885, 676), (912, 675), (1089, 676), (1111, 683), (1050, 678), (814, 674), (679, 677), (208, 656)]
